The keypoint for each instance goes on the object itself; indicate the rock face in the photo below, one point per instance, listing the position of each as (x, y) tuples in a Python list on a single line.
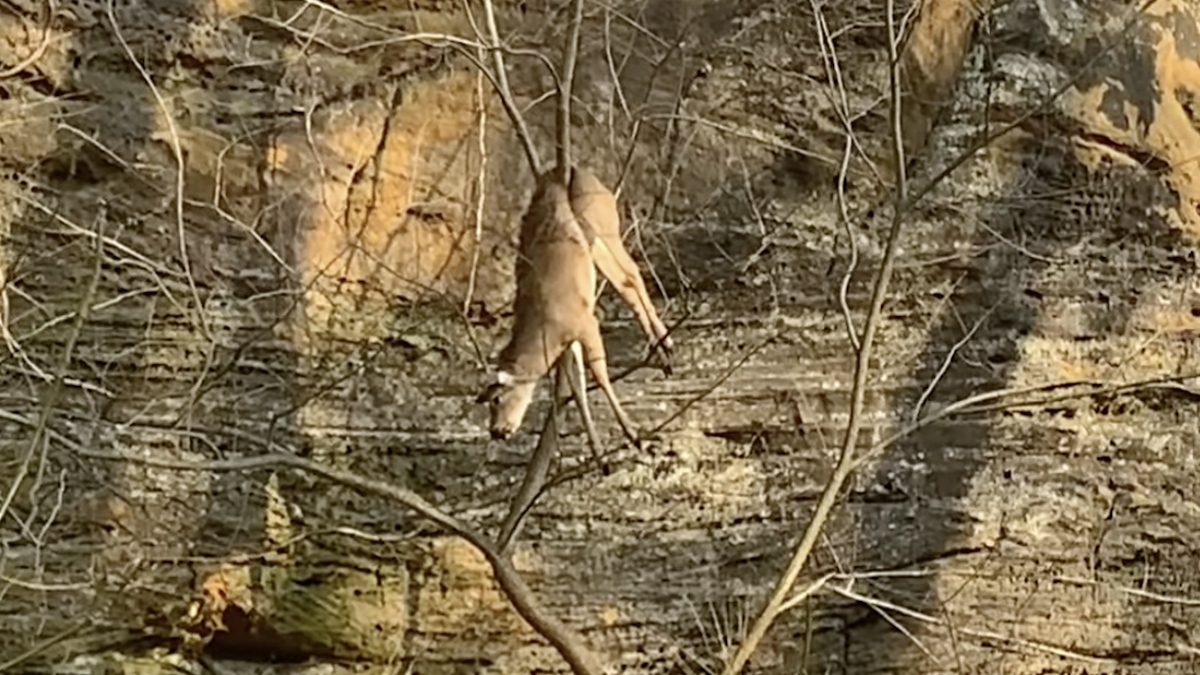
[(238, 226)]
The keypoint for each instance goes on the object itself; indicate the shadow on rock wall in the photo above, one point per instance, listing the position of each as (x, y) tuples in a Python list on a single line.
[(1078, 270)]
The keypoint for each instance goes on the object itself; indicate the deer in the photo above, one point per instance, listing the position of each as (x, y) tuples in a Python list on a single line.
[(555, 310), (570, 229)]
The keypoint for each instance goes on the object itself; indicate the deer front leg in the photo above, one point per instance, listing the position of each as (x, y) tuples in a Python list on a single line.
[(597, 362), (536, 471), (570, 366)]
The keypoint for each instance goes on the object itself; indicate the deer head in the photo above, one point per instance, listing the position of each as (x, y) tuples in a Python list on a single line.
[(508, 397)]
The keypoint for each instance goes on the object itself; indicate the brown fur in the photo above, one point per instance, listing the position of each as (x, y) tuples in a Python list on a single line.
[(595, 208), (555, 306), (570, 229)]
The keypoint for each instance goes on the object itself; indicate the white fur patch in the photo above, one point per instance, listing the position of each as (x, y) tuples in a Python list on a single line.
[(505, 378)]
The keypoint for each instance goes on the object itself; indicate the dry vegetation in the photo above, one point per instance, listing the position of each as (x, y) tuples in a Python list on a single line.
[(257, 255)]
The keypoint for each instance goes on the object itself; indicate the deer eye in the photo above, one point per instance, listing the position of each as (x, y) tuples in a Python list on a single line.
[(490, 394)]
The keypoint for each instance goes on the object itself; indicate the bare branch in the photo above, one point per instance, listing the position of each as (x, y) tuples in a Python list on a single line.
[(1034, 645), (566, 88), (536, 472), (569, 643), (845, 465), (505, 92), (833, 72), (37, 443), (180, 171), (979, 403)]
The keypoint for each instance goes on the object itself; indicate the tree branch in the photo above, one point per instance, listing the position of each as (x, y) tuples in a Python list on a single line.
[(505, 92), (845, 465), (902, 203), (566, 641)]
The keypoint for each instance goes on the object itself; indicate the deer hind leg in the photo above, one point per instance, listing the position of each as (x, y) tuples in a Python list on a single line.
[(595, 208), (570, 368), (622, 272), (597, 362)]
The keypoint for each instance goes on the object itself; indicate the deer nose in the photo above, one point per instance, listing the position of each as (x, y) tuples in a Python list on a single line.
[(501, 434)]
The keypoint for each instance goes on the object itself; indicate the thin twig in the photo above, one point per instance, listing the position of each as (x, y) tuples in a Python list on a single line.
[(937, 377), (858, 391), (627, 165), (748, 133), (613, 75), (833, 67), (44, 645), (397, 37), (833, 73), (481, 189), (1136, 592), (51, 9), (50, 400), (807, 592), (565, 640), (882, 611), (852, 267), (180, 171), (713, 387), (48, 588), (876, 603)]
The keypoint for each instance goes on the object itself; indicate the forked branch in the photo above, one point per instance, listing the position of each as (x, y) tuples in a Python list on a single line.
[(845, 465), (567, 642), (505, 92), (847, 460), (566, 88)]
